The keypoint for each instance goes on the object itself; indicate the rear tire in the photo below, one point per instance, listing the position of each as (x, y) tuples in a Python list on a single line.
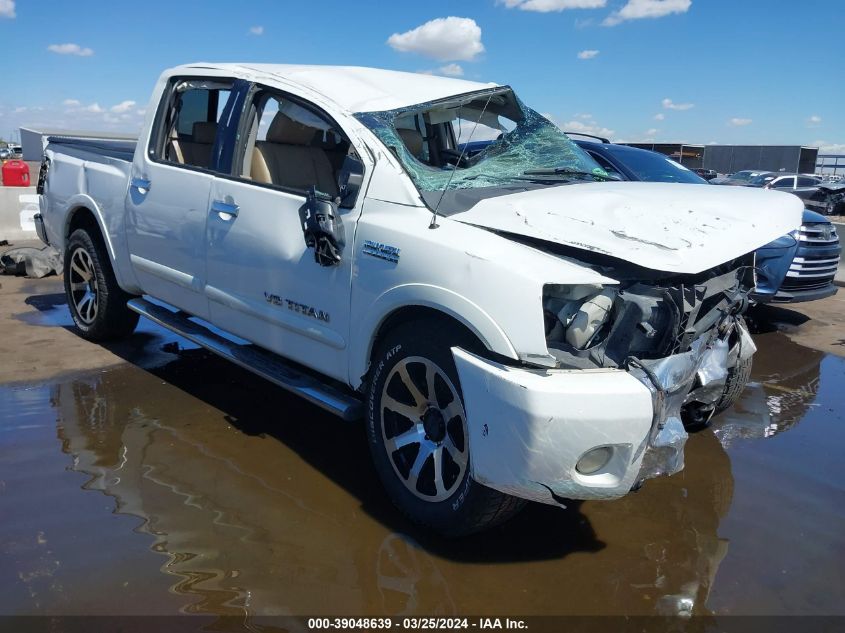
[(419, 439), (97, 304)]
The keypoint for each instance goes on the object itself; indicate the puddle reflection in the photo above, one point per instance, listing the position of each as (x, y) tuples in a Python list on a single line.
[(259, 504)]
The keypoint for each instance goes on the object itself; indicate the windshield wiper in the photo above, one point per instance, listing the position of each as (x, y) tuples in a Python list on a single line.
[(566, 171)]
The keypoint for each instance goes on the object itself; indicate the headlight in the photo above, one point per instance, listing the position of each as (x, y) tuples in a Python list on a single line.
[(602, 326), (576, 314)]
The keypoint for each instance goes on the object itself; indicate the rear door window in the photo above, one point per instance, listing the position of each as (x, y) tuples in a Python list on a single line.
[(189, 122)]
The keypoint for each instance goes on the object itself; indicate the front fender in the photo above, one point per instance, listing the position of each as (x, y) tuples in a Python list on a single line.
[(428, 296)]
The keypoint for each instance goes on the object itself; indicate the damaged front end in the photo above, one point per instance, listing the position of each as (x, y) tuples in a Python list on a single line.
[(679, 336)]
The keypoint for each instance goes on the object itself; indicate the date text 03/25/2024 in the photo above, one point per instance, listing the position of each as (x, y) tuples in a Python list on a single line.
[(429, 624)]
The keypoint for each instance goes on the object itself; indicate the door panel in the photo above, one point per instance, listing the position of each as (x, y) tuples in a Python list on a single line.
[(165, 230), (168, 199), (263, 283)]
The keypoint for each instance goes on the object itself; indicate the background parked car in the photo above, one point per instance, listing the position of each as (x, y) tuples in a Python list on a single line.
[(5, 153), (738, 178), (796, 267), (707, 174), (827, 197), (781, 180)]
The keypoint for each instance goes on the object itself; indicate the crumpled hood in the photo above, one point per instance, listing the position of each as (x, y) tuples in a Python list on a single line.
[(668, 227)]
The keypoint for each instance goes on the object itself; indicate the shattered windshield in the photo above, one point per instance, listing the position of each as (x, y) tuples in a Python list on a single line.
[(511, 143)]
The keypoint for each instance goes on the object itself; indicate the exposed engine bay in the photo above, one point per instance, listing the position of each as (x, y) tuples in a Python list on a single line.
[(591, 326), (679, 336)]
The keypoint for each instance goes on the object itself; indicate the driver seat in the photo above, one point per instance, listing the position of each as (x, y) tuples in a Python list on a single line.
[(413, 141), (289, 158)]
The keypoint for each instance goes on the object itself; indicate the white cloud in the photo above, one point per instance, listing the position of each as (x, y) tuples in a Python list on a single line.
[(7, 9), (449, 70), (651, 131), (826, 147), (452, 70), (547, 6), (588, 126), (256, 30), (671, 105), (738, 122), (71, 103), (70, 49), (659, 116), (814, 121), (639, 9), (123, 106), (79, 117), (445, 39), (587, 54), (20, 109), (141, 111)]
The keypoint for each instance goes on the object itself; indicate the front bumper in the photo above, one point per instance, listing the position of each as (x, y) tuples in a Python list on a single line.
[(796, 295), (529, 428)]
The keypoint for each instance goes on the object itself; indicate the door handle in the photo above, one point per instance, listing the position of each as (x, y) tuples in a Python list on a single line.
[(222, 208), (141, 184)]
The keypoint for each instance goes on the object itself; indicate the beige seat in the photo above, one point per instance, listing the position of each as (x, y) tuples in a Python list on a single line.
[(413, 141), (197, 151), (289, 157)]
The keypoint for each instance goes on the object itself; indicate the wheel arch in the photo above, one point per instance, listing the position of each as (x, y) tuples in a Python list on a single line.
[(83, 212), (422, 302)]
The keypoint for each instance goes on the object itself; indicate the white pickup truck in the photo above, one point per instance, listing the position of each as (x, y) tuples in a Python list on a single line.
[(511, 326)]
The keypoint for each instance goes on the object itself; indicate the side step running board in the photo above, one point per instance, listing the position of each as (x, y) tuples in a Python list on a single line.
[(259, 361)]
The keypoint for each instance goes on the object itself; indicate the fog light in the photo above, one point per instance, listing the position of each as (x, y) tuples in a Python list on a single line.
[(594, 460)]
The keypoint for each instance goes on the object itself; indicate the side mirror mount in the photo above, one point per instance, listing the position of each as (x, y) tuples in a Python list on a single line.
[(350, 178), (322, 227)]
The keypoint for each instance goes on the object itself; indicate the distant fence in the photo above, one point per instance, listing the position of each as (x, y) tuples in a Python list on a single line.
[(831, 163)]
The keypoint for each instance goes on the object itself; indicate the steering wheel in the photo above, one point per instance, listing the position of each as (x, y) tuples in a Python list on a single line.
[(453, 157)]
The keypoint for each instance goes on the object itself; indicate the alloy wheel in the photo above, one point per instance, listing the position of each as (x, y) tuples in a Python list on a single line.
[(423, 427), (83, 285)]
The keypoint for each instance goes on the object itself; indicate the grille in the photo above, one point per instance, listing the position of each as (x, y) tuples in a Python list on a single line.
[(820, 234), (804, 284), (813, 271)]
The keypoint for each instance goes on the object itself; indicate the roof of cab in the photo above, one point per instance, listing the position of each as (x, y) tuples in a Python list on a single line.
[(357, 88)]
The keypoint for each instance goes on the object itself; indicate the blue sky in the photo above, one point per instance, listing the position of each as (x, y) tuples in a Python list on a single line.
[(726, 71)]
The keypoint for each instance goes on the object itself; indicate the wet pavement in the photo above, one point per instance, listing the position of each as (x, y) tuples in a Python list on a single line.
[(175, 482)]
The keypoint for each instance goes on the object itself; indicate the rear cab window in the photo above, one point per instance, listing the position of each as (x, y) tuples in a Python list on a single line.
[(189, 120)]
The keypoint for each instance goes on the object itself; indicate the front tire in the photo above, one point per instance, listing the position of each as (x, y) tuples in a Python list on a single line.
[(418, 436), (735, 384), (97, 304)]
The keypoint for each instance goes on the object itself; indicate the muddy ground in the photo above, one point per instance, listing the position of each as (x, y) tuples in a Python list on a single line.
[(151, 477)]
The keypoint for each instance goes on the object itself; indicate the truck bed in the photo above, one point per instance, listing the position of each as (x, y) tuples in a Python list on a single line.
[(88, 172), (112, 148)]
